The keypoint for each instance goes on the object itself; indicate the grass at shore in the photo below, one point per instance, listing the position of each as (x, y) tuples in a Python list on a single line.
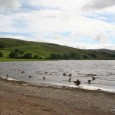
[(11, 60)]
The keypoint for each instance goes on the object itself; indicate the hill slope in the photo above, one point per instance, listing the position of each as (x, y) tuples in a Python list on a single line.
[(44, 50)]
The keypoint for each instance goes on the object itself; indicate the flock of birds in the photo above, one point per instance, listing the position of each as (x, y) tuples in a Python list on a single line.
[(77, 82)]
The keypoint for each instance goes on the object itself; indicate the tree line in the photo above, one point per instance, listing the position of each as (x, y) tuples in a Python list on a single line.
[(79, 56), (72, 55), (18, 54), (1, 54)]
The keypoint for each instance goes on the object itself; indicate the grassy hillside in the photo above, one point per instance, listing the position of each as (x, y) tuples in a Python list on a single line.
[(44, 50), (106, 51)]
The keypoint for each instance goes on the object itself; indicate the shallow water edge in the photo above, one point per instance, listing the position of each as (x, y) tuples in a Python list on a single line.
[(59, 86)]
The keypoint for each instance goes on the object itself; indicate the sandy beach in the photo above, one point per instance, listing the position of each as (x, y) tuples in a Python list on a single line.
[(16, 98)]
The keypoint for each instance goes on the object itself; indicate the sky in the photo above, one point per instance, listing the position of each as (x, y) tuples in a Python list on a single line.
[(85, 24)]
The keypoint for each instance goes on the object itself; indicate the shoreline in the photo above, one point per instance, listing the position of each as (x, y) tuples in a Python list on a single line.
[(17, 98), (49, 85)]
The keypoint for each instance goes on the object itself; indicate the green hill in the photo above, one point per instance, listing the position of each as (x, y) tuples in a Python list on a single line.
[(46, 51)]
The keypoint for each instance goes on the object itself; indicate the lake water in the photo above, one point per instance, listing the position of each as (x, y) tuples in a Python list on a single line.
[(104, 71)]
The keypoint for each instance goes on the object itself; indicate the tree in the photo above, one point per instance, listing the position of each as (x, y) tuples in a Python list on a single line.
[(52, 56), (66, 56), (28, 56), (2, 45), (21, 52), (72, 54), (37, 57), (85, 57), (17, 50), (92, 55), (55, 56), (13, 54), (77, 57), (1, 54)]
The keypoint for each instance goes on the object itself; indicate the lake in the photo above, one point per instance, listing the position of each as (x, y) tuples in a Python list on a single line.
[(34, 72)]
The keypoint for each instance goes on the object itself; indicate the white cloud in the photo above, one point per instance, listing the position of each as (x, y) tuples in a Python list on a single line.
[(102, 38), (9, 4), (99, 4), (58, 16), (6, 23), (96, 46), (15, 37)]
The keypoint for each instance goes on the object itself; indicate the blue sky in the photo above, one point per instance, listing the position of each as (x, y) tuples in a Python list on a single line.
[(88, 24)]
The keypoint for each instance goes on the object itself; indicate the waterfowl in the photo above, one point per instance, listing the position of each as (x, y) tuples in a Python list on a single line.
[(7, 75), (64, 74), (30, 76), (70, 75), (69, 79), (78, 82), (89, 81), (22, 72), (44, 78), (93, 78)]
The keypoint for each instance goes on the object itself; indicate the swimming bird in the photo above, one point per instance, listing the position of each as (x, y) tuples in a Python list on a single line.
[(30, 76), (22, 72), (64, 74), (70, 75), (93, 78), (44, 78), (46, 72), (69, 79), (7, 76), (78, 82), (89, 81)]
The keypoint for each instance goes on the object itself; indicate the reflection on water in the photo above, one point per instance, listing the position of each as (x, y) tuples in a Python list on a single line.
[(53, 71)]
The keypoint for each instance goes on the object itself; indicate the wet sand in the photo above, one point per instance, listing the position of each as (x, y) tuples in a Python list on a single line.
[(19, 99)]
